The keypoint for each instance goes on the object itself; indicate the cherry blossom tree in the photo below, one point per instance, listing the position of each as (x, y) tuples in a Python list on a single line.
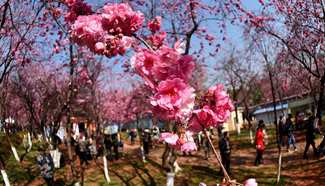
[(19, 23), (111, 31), (39, 91), (299, 27)]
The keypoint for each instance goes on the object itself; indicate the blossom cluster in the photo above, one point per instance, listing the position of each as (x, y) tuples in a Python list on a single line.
[(183, 142), (107, 33), (157, 38), (76, 8), (164, 69), (216, 109), (168, 73)]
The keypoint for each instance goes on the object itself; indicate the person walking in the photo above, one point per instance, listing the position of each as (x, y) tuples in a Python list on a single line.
[(82, 149), (291, 138), (146, 140), (133, 135), (46, 165), (115, 145), (225, 150), (310, 136), (259, 141), (155, 135)]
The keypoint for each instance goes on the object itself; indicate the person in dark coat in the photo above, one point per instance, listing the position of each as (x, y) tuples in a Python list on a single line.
[(291, 138), (310, 136), (133, 135), (46, 165), (225, 150), (82, 149), (115, 144), (146, 140)]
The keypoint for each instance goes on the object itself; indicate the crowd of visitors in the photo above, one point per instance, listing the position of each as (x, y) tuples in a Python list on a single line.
[(88, 147)]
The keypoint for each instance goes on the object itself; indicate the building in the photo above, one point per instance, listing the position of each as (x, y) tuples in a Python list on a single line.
[(230, 125), (295, 105), (266, 112)]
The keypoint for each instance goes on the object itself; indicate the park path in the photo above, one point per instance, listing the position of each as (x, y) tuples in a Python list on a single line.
[(129, 170)]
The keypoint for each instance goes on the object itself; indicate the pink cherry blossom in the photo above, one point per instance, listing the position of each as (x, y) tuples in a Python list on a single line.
[(169, 138), (100, 47), (144, 60), (172, 65), (162, 64), (178, 143), (250, 182), (209, 37), (76, 8), (179, 46), (87, 31), (115, 45), (157, 39), (172, 96), (202, 118), (188, 147), (220, 102), (121, 19), (154, 25)]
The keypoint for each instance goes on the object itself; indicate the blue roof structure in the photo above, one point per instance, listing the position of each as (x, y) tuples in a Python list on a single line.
[(270, 108)]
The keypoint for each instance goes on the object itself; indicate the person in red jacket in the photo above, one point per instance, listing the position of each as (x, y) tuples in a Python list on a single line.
[(259, 141)]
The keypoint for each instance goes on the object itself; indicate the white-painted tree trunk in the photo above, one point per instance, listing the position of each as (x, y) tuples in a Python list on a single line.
[(170, 179), (251, 136), (14, 151), (56, 156), (177, 167), (5, 177), (30, 144), (108, 179), (142, 154), (279, 168), (238, 128)]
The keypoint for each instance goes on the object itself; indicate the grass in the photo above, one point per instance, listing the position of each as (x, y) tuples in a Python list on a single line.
[(132, 171)]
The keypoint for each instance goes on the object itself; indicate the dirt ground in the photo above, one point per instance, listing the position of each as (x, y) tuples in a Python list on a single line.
[(130, 170)]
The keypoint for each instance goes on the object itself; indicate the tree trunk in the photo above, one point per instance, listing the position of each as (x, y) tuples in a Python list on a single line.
[(236, 119), (320, 100), (170, 179), (249, 122), (71, 162), (13, 148), (14, 151), (5, 177), (107, 178), (165, 156), (105, 164), (276, 126), (279, 167), (68, 106), (30, 144)]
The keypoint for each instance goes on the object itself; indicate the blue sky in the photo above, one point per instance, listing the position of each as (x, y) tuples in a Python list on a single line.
[(233, 39)]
